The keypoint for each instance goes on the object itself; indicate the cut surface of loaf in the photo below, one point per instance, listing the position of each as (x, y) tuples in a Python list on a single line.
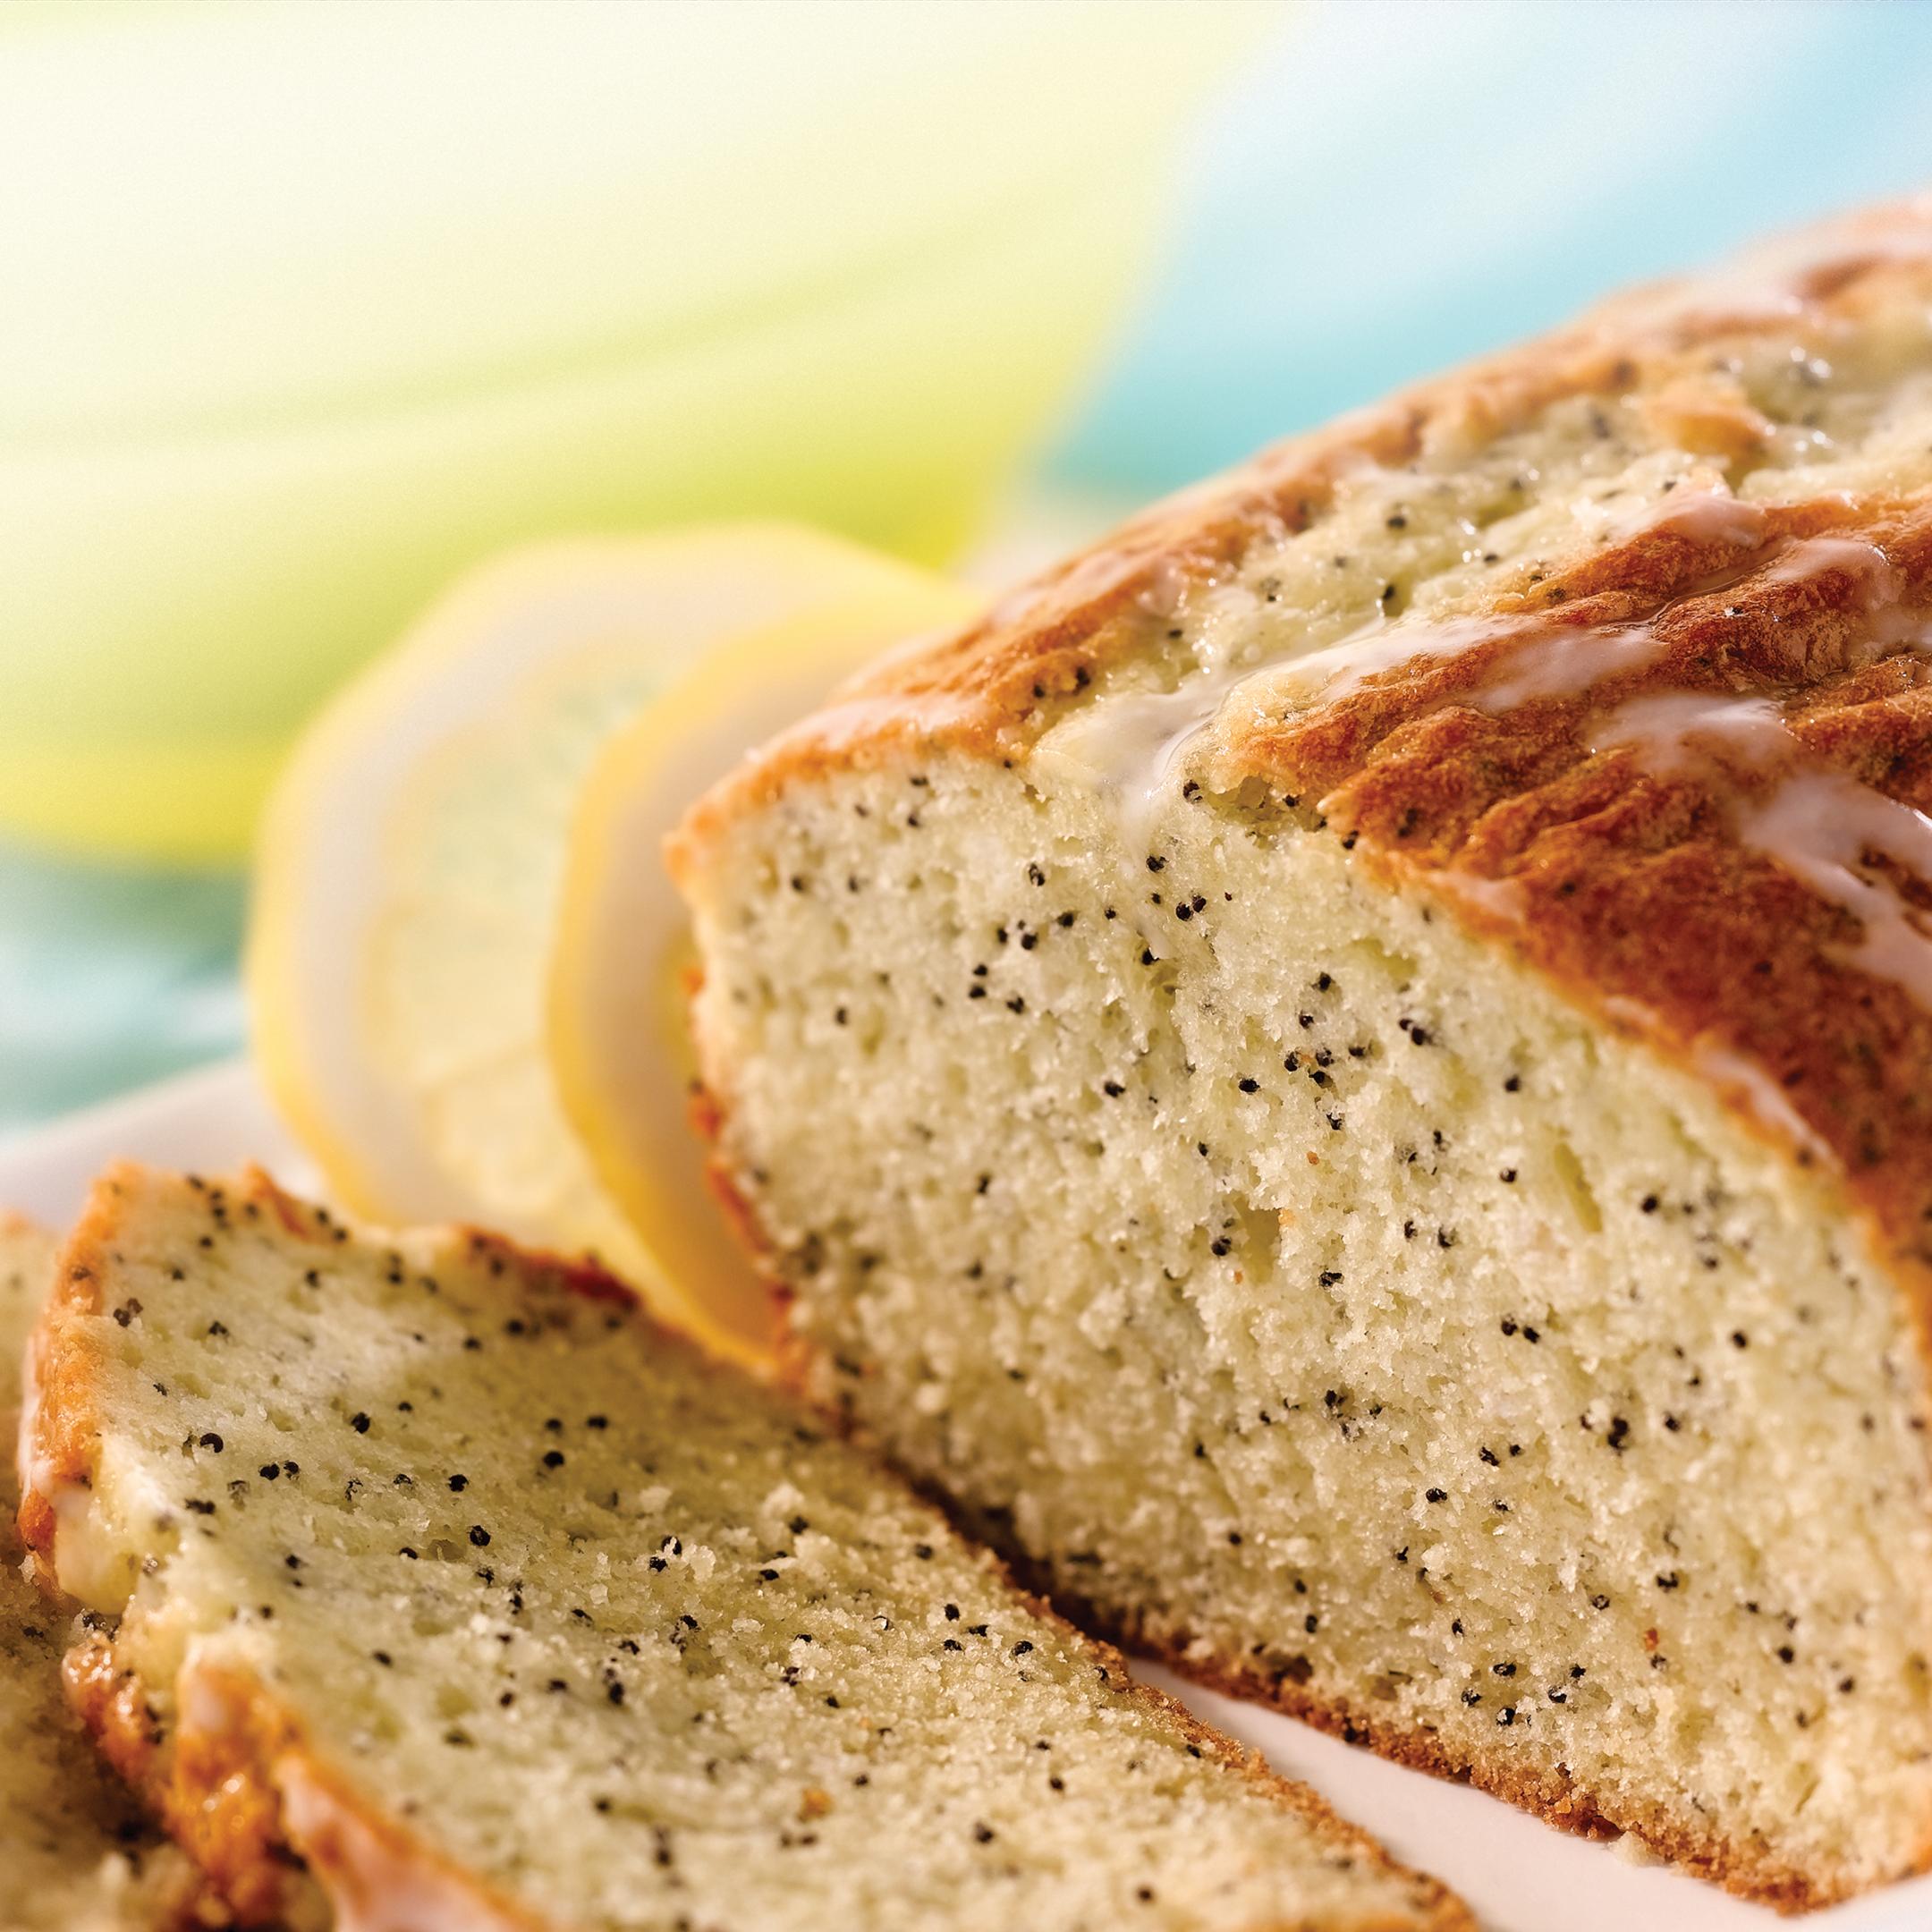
[(1351, 1074), (77, 1854), (435, 1564)]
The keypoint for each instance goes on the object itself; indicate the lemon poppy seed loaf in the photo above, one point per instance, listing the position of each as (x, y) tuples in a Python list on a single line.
[(77, 1854), (434, 1565), (1350, 1072)]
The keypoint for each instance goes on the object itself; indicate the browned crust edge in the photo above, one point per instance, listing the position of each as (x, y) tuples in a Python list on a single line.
[(225, 1778), (59, 1429), (1445, 1912), (225, 1781), (1553, 1796), (1639, 902), (177, 1899), (13, 1226)]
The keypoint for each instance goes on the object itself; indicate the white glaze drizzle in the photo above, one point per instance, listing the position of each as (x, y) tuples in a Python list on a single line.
[(1128, 749), (1816, 824), (1864, 561), (371, 1885), (1703, 515), (81, 1557), (1327, 676), (1501, 898), (1669, 730), (1568, 664), (1748, 1085), (1820, 826), (1153, 731), (1876, 584), (1741, 1081)]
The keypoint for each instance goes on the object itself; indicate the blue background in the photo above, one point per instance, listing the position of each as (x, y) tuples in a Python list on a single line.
[(1401, 183), (1391, 185)]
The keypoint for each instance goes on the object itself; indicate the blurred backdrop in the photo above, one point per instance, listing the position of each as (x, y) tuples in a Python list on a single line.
[(311, 305)]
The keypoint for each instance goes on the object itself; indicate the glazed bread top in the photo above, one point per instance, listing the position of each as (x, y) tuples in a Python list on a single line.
[(1615, 645)]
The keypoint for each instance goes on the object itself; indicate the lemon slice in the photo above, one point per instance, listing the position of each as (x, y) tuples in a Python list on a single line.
[(409, 869), (620, 970)]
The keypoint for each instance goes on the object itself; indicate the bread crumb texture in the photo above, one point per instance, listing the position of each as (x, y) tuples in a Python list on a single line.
[(1350, 1074), (76, 1853), (435, 1564)]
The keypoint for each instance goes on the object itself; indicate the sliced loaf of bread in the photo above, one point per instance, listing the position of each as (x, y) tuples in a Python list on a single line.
[(76, 1853), (434, 1565), (1351, 1073)]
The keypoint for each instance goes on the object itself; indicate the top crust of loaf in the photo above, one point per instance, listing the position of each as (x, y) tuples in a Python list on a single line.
[(237, 1778), (1630, 888)]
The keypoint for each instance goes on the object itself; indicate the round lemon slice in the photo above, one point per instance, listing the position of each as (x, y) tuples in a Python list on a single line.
[(621, 964), (409, 863)]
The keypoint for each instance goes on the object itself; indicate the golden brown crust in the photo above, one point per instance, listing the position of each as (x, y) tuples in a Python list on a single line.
[(59, 1429), (13, 1226), (991, 688), (224, 1777), (220, 1823), (1551, 1794), (167, 1892), (202, 1787)]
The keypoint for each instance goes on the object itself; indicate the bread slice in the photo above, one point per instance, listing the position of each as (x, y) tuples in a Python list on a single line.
[(435, 1564), (1351, 1073), (77, 1854)]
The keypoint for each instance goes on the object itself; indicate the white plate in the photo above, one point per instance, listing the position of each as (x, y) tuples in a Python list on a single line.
[(1520, 1876)]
